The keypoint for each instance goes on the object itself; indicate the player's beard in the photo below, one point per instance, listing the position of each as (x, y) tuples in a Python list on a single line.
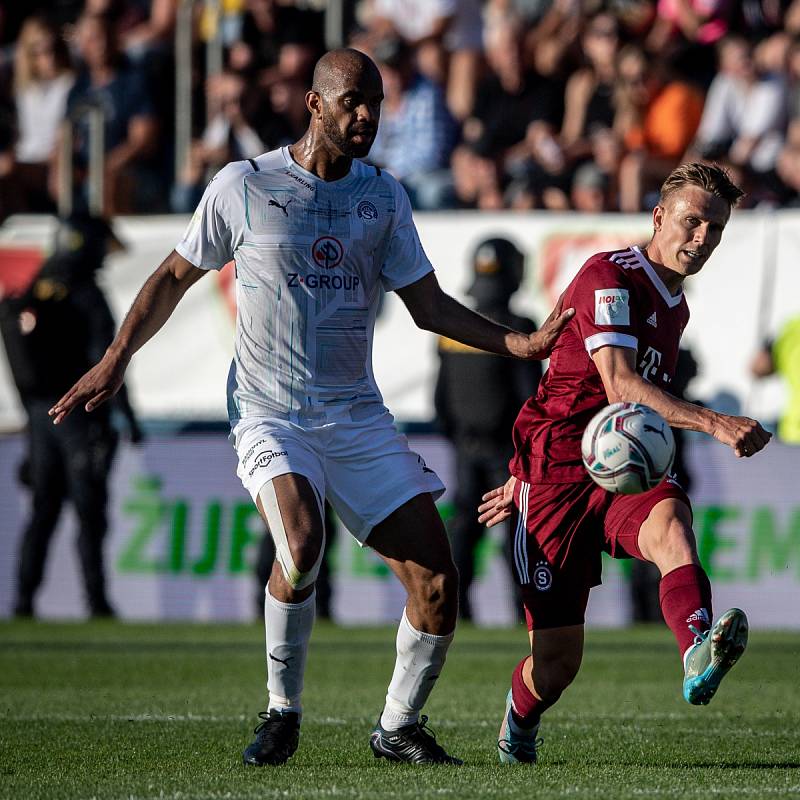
[(341, 140)]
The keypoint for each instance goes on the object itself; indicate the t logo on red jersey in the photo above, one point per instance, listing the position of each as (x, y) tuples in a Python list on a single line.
[(650, 363)]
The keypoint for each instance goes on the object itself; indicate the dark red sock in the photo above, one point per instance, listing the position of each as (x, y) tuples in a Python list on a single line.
[(525, 707), (685, 595)]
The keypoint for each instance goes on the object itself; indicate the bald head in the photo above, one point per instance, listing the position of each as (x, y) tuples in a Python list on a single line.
[(341, 70), (345, 102)]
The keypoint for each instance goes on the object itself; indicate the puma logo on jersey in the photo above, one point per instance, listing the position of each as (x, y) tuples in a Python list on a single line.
[(651, 320), (275, 203)]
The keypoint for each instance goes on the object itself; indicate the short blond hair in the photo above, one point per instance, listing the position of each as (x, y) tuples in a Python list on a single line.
[(710, 177)]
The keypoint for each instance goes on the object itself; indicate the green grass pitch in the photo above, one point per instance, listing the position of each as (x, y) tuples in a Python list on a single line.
[(107, 710)]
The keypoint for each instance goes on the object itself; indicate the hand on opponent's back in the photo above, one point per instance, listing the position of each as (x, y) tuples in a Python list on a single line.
[(541, 342)]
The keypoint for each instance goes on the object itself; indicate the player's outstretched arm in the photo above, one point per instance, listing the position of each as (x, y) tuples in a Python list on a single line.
[(152, 307), (617, 368), (434, 310)]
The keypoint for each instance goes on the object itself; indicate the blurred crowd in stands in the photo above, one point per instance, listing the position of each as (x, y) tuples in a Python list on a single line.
[(520, 104)]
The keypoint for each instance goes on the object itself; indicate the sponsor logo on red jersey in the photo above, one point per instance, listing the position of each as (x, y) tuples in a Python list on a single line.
[(611, 307)]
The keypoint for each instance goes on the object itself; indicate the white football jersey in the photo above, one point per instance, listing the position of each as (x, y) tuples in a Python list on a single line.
[(311, 257)]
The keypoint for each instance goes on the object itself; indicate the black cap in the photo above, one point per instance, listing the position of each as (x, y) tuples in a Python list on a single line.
[(498, 266), (81, 244)]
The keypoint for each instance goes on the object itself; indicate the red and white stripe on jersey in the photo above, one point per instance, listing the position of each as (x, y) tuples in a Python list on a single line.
[(633, 258), (628, 260), (521, 535), (602, 339)]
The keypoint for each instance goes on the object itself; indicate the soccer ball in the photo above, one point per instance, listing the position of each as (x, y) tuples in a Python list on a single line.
[(627, 448)]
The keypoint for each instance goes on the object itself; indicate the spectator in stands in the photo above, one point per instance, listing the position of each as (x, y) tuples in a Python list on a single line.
[(416, 133), (755, 19), (288, 109), (141, 27), (554, 34), (635, 17), (662, 112), (233, 134), (278, 42), (590, 90), (590, 189), (788, 165), (788, 169), (703, 22), (510, 97), (476, 180), (447, 36), (110, 82), (693, 27), (791, 19), (588, 108), (42, 80), (745, 112), (793, 77)]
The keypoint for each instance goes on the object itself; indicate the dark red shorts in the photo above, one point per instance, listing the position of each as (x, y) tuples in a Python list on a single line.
[(561, 533)]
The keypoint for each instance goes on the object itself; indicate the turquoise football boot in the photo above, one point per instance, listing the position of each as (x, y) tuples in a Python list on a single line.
[(512, 748), (714, 653)]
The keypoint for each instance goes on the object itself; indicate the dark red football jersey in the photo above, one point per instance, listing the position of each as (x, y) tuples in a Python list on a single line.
[(618, 300)]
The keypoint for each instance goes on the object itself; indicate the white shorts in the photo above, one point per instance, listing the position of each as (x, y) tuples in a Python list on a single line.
[(364, 467)]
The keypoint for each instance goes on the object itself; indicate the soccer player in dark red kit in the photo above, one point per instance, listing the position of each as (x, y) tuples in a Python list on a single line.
[(622, 345)]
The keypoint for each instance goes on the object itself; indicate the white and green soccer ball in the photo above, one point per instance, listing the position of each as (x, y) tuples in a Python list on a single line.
[(627, 448)]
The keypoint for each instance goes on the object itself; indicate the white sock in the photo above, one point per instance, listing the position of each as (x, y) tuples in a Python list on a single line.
[(288, 627), (420, 658)]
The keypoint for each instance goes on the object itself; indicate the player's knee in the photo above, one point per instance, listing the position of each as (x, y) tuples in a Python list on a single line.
[(307, 554), (438, 592), (300, 565), (666, 537), (674, 541)]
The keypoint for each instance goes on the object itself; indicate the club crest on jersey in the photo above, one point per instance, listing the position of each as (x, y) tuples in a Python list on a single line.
[(367, 212), (611, 307), (327, 252), (542, 576)]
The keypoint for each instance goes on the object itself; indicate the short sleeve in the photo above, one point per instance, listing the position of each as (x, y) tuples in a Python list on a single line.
[(405, 261), (602, 298), (208, 242)]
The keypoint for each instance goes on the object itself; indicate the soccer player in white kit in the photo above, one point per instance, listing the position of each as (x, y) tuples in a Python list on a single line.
[(315, 235)]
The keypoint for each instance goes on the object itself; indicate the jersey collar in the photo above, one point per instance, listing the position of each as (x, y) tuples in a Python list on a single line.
[(671, 300), (293, 165)]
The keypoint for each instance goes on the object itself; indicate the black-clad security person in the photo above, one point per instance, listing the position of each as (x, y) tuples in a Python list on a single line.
[(55, 331), (478, 396)]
